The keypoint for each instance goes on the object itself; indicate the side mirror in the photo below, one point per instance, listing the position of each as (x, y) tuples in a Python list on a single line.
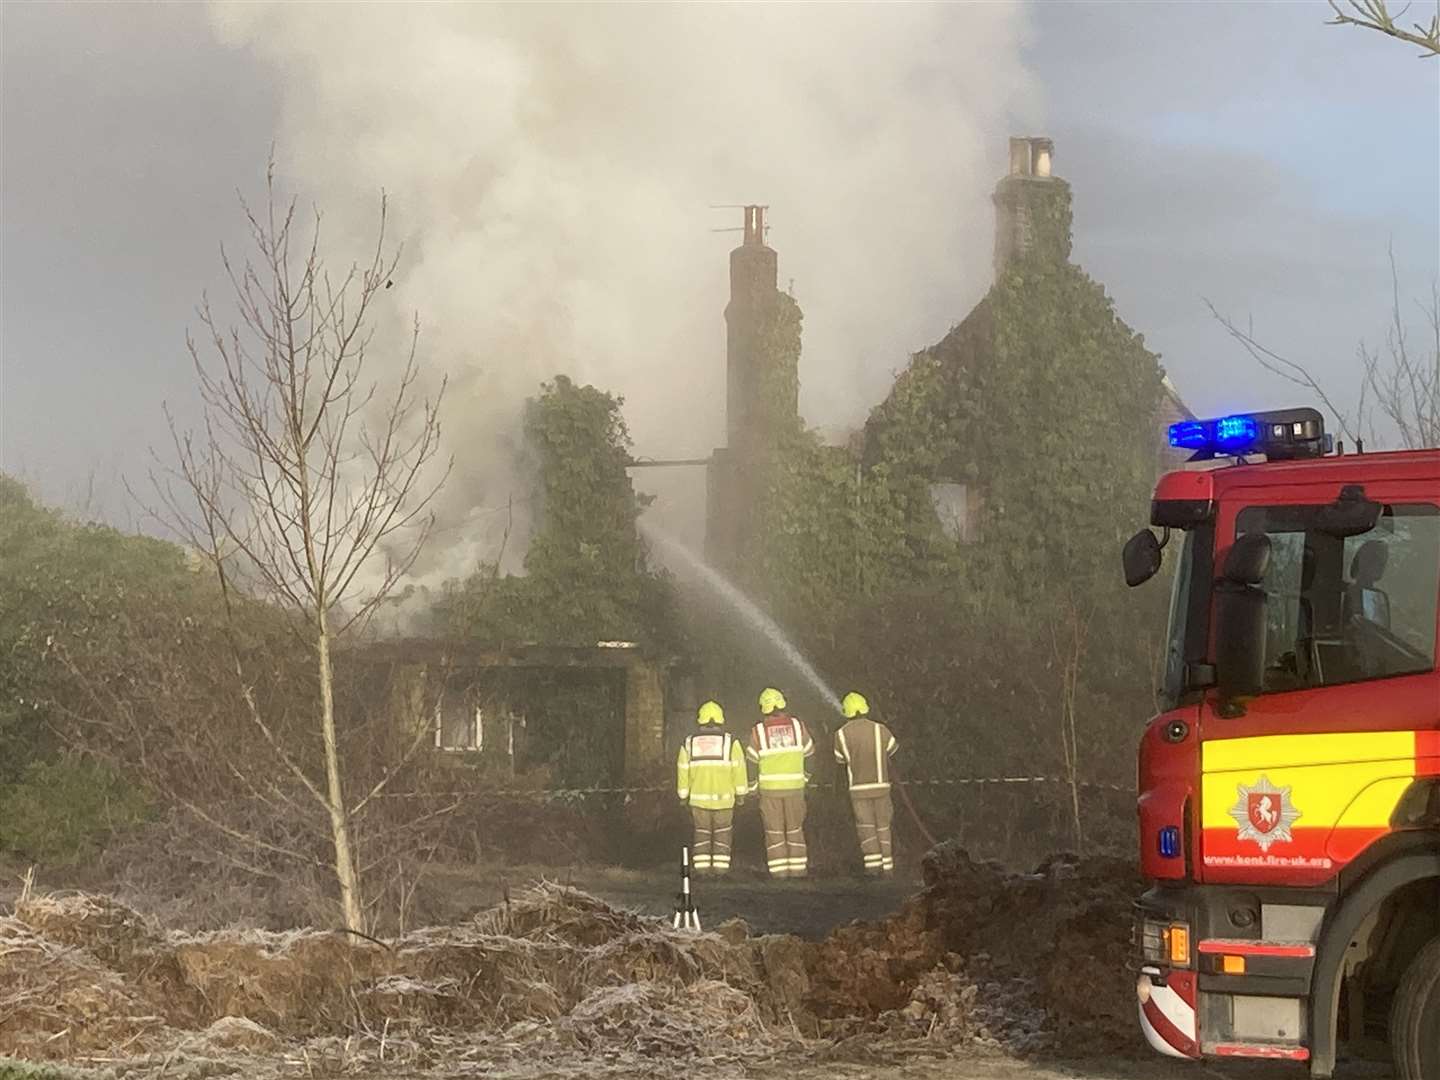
[(1240, 619), (1141, 558), (1248, 560)]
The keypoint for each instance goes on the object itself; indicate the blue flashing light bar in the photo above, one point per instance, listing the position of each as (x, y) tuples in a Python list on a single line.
[(1238, 431), (1284, 433), (1189, 435)]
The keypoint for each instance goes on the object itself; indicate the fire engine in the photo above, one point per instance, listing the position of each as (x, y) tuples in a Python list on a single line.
[(1289, 788)]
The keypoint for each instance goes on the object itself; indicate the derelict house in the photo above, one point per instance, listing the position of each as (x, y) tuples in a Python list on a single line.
[(936, 428)]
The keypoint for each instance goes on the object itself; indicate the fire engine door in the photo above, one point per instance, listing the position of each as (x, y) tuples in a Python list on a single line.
[(1314, 770)]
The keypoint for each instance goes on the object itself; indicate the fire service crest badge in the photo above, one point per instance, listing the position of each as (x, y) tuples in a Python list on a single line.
[(1264, 813)]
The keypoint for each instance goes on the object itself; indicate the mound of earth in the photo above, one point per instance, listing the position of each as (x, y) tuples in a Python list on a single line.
[(1037, 960), (555, 970), (558, 976)]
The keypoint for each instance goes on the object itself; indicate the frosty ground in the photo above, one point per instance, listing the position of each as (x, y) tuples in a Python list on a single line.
[(980, 973)]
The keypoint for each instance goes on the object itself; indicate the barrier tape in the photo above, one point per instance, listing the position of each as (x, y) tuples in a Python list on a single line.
[(655, 789)]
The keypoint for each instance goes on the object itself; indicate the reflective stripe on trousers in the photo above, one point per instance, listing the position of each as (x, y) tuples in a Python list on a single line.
[(873, 815), (711, 849), (784, 815)]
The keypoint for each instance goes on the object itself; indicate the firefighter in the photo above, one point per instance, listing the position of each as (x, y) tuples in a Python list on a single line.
[(781, 748), (712, 780), (864, 746)]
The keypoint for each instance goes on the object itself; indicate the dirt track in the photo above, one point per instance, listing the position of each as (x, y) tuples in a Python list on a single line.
[(981, 1066), (984, 1067), (808, 908)]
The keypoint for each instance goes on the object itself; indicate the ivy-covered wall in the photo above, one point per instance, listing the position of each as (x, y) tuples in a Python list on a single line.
[(586, 575), (762, 352), (1039, 402), (1032, 217), (1015, 647), (1064, 445), (1042, 401)]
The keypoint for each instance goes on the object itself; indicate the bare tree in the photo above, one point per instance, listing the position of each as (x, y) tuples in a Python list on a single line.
[(1404, 381), (1375, 15), (1068, 643), (310, 483), (1351, 422), (1400, 382)]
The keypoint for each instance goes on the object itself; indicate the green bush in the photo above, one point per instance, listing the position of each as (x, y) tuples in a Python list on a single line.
[(65, 810), (76, 598)]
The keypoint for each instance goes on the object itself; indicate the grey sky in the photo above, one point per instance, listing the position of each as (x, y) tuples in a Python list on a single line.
[(125, 131), (1253, 155), (1247, 153)]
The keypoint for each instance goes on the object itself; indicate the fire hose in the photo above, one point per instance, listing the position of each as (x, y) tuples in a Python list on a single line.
[(904, 790)]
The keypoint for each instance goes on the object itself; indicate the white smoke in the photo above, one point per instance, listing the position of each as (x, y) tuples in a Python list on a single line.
[(551, 168)]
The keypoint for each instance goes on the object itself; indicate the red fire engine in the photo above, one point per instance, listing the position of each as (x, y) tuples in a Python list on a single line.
[(1290, 788)]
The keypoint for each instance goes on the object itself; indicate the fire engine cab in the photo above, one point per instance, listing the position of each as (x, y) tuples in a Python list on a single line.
[(1289, 790)]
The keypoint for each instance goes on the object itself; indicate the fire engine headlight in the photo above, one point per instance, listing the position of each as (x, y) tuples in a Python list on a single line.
[(1152, 941), (1165, 942)]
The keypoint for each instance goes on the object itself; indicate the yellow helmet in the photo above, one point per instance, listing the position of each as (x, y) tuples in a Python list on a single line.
[(711, 713), (854, 705), (771, 700)]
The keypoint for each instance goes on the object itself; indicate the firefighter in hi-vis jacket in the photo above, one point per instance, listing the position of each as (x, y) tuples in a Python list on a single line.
[(711, 779), (780, 747), (864, 746)]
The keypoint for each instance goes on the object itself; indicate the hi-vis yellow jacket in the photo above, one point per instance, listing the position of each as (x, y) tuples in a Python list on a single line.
[(710, 770), (779, 745)]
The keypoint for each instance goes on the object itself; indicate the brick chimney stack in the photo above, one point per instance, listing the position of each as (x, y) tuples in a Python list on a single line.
[(762, 391), (754, 272), (1032, 206)]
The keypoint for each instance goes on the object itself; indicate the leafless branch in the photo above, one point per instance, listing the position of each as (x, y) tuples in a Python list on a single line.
[(390, 773), (1290, 371), (1406, 384), (1375, 15), (1400, 382)]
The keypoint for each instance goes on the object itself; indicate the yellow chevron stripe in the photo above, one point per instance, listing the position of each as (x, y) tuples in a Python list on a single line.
[(1355, 777), (1272, 751)]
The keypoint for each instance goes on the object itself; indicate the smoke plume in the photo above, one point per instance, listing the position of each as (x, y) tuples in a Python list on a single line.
[(552, 169)]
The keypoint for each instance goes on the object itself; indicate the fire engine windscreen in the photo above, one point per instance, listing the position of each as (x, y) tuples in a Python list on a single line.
[(1344, 608), (1185, 638)]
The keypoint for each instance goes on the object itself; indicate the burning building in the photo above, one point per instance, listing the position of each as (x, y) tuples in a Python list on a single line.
[(936, 429)]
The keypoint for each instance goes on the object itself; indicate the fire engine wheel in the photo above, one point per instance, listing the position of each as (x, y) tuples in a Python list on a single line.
[(1415, 1017)]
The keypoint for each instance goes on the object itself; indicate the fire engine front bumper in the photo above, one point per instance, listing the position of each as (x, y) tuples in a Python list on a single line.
[(1166, 988), (1210, 982), (1166, 1001)]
